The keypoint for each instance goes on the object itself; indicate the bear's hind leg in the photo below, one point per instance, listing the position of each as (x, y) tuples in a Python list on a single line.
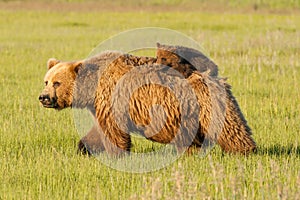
[(236, 136), (237, 141), (196, 145)]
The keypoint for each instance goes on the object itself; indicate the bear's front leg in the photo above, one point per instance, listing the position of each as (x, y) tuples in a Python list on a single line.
[(91, 143)]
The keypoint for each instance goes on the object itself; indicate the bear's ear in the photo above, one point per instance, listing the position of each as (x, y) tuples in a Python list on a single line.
[(76, 66), (52, 62)]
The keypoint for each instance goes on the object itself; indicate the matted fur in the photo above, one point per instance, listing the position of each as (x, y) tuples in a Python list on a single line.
[(142, 88), (234, 125), (95, 83), (235, 135)]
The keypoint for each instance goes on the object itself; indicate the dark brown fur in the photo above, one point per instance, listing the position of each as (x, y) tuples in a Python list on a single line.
[(185, 60)]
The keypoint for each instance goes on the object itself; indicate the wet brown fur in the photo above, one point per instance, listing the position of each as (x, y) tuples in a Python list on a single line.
[(235, 136), (235, 126)]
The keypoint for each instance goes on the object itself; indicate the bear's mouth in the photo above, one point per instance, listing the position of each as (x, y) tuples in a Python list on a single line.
[(49, 103)]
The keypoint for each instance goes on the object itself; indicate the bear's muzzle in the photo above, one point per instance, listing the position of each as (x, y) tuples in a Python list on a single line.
[(46, 101)]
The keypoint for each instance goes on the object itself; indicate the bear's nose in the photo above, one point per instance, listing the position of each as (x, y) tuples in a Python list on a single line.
[(44, 97)]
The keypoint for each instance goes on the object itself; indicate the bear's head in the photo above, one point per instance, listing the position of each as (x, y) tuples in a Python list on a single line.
[(185, 60), (59, 84), (176, 57), (166, 55)]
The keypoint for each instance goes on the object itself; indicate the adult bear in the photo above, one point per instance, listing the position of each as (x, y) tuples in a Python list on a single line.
[(91, 84)]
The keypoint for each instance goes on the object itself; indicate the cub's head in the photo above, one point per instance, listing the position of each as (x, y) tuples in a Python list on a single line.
[(59, 84), (166, 55)]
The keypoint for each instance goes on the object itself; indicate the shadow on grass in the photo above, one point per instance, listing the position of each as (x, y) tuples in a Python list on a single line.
[(278, 150)]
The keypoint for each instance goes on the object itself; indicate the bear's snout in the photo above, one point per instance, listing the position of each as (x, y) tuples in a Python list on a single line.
[(44, 97), (46, 100)]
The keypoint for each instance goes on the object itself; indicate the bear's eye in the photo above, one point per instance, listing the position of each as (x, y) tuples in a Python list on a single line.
[(46, 83), (56, 84), (163, 59)]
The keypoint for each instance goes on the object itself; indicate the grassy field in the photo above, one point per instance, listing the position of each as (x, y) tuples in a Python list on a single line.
[(258, 51)]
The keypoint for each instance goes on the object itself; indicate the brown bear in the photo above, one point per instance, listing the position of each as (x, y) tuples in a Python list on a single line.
[(185, 60), (92, 83)]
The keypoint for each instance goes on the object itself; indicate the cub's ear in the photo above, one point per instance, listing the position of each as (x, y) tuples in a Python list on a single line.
[(158, 44), (76, 66), (52, 62)]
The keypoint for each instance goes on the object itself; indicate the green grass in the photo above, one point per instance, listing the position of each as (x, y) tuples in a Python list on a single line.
[(259, 53)]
